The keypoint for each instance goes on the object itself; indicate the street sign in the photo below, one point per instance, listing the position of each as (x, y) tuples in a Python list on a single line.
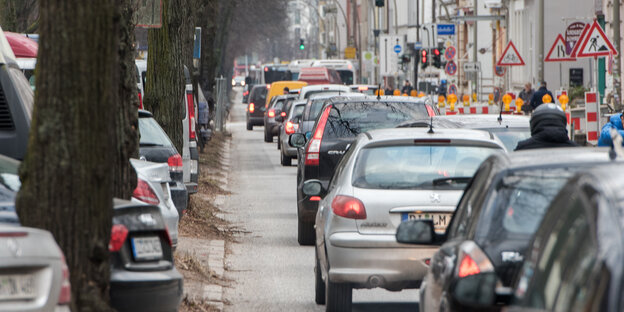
[(452, 89), (500, 71), (572, 35), (417, 45), (350, 52), (595, 43), (578, 42), (558, 52), (449, 53), (451, 68), (446, 29), (397, 49), (388, 57), (197, 43), (472, 67), (510, 57)]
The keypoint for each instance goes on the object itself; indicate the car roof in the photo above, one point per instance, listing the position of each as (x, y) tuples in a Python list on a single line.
[(329, 95), (286, 96), (383, 99), (488, 120), (557, 156), (323, 86), (395, 134)]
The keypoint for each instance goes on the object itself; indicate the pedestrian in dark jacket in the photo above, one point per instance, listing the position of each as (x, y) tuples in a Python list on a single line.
[(548, 129), (536, 99), (526, 95), (615, 122), (407, 88)]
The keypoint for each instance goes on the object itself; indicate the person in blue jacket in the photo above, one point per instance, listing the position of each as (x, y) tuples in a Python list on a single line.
[(615, 122)]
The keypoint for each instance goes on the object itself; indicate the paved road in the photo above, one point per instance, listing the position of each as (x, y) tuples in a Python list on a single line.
[(268, 269)]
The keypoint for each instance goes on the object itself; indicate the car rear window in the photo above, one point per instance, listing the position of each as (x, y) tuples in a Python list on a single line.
[(351, 119), (315, 109), (519, 200), (511, 136), (151, 133), (279, 104), (258, 95), (297, 111), (418, 166)]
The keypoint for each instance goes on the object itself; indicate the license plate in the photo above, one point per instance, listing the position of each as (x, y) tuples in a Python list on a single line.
[(440, 220), (17, 287), (147, 248)]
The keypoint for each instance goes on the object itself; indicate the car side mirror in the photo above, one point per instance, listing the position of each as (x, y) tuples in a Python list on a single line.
[(308, 135), (312, 188), (297, 140), (481, 291), (416, 232)]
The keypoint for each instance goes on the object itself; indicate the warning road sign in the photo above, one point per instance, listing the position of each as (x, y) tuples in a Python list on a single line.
[(558, 52), (595, 43), (510, 57)]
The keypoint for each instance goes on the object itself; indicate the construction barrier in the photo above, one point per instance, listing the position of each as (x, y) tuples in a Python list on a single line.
[(592, 115)]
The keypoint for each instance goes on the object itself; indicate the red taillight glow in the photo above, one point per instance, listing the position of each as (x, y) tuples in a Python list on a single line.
[(175, 163), (468, 267), (266, 69), (140, 100), (14, 234), (312, 153), (428, 261), (245, 93), (119, 233), (191, 111), (283, 114), (65, 295), (252, 107), (290, 128), (271, 113), (145, 193), (169, 241), (315, 198), (348, 207), (363, 88)]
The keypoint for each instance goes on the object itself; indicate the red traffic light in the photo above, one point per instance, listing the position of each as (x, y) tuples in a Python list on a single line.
[(436, 52), (424, 53), (424, 59)]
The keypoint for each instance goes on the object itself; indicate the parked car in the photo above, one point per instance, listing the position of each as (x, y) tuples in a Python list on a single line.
[(155, 146), (190, 154), (16, 104), (255, 108), (277, 108), (494, 222), (238, 81), (574, 262), (308, 91), (319, 75), (341, 120), (364, 88), (143, 276), (33, 272), (387, 176), (290, 126), (153, 188)]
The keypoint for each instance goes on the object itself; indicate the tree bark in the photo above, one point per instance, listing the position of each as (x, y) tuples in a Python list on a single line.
[(164, 88), (67, 185)]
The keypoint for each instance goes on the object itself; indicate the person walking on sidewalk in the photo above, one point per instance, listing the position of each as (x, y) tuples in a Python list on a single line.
[(537, 98), (526, 95)]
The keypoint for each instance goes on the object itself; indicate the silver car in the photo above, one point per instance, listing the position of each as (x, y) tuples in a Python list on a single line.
[(33, 272), (290, 126), (153, 188), (385, 177)]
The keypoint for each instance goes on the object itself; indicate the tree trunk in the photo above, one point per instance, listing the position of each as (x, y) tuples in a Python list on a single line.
[(127, 137), (164, 90), (67, 185)]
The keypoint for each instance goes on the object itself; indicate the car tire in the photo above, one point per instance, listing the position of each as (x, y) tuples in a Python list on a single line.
[(249, 126), (286, 161), (319, 285), (305, 233), (338, 296), (267, 137)]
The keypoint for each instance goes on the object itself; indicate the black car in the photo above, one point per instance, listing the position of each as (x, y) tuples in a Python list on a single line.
[(255, 108), (494, 223), (275, 114), (340, 121), (574, 262), (143, 276), (155, 146)]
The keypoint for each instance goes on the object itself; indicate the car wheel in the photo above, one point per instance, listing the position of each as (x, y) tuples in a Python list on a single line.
[(305, 233), (267, 137), (249, 126), (319, 285), (338, 296), (285, 160)]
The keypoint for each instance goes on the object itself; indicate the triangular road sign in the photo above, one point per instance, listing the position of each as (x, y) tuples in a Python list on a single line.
[(558, 51), (595, 43), (510, 57), (579, 41)]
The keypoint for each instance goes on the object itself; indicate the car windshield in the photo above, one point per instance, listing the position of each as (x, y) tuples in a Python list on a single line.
[(418, 166), (351, 119), (511, 136), (9, 177), (519, 200), (152, 134)]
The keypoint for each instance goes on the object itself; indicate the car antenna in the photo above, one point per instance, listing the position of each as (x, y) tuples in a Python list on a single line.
[(430, 126), (379, 92), (500, 114)]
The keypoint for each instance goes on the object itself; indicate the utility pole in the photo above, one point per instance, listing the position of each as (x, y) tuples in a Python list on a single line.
[(540, 40), (474, 48), (417, 56), (617, 81)]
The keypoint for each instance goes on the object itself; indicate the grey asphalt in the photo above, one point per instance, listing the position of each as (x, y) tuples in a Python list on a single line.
[(267, 268)]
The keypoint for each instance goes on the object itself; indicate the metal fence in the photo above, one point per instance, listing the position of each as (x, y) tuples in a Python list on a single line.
[(222, 103)]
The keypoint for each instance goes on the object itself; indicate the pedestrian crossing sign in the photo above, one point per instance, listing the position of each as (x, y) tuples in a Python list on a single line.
[(558, 52), (511, 56), (594, 43)]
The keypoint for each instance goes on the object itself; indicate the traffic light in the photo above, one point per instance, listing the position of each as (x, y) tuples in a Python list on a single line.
[(379, 3), (405, 58), (301, 44), (424, 58), (437, 58)]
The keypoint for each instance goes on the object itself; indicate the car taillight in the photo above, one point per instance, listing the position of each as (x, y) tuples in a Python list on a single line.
[(119, 233), (145, 193), (348, 207), (14, 234), (175, 163), (290, 128), (283, 114), (168, 236), (472, 260), (245, 93), (271, 113), (140, 100), (252, 107), (314, 148), (65, 295), (191, 110)]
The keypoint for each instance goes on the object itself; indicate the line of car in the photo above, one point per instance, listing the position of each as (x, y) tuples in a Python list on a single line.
[(403, 198)]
